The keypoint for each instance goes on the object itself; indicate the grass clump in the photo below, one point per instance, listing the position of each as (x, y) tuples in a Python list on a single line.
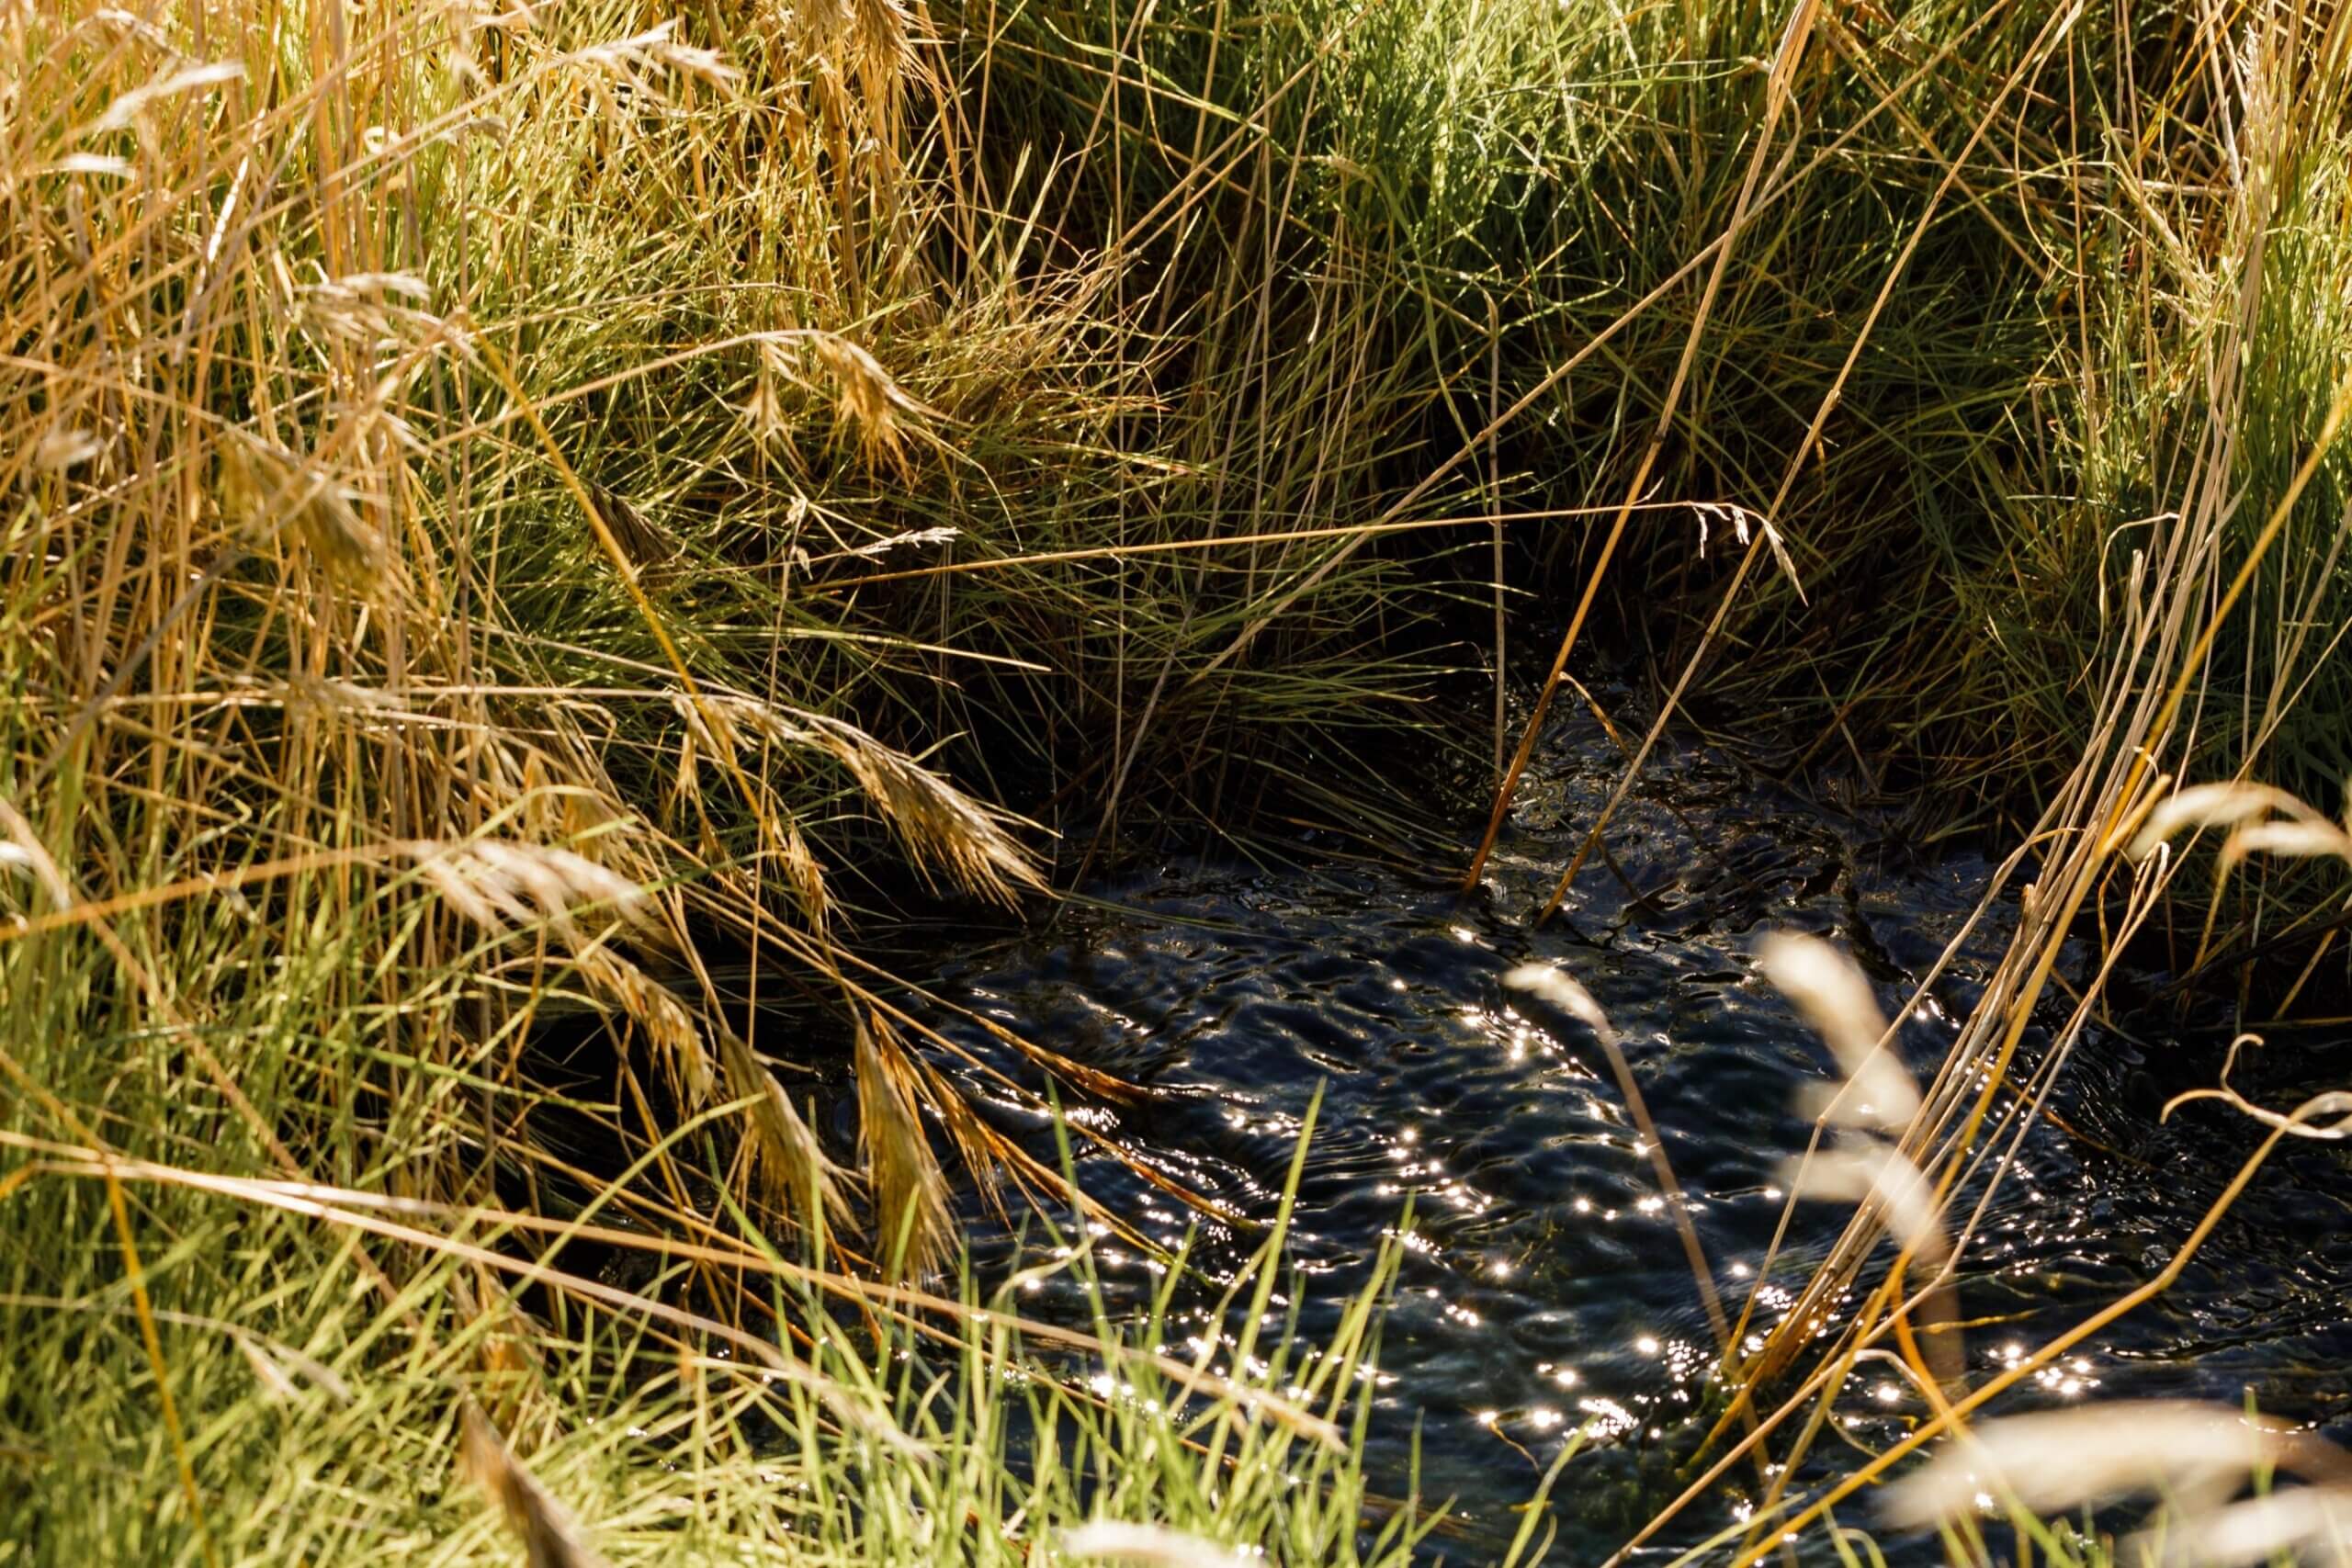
[(461, 469), (501, 1393), (502, 506)]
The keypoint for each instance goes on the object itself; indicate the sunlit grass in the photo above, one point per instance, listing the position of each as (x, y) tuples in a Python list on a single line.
[(323, 1409), (498, 505)]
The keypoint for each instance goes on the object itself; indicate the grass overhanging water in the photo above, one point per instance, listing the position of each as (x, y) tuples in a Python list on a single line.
[(502, 506)]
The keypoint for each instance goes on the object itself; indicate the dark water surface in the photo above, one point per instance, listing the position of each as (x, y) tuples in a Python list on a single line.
[(1544, 1288)]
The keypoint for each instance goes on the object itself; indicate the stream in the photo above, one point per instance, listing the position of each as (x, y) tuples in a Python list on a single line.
[(1543, 1288)]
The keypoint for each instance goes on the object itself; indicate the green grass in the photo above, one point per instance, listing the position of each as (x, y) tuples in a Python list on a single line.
[(496, 506), (318, 1407)]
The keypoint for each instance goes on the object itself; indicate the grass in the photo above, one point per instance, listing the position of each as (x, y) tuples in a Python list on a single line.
[(321, 1416), (501, 507)]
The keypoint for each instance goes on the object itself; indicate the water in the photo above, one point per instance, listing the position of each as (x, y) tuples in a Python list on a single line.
[(1544, 1288)]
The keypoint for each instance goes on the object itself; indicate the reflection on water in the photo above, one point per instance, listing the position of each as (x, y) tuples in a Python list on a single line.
[(1543, 1288)]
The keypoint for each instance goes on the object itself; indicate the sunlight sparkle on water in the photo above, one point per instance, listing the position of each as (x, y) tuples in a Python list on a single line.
[(1610, 1420)]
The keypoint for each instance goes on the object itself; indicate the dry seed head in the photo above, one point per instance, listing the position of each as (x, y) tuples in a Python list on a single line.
[(2299, 840), (557, 813), (977, 1148), (351, 551), (131, 108), (882, 32), (2214, 805), (502, 886), (375, 285), (869, 403), (1869, 1171), (464, 66), (910, 1192), (871, 40), (22, 850), (1552, 984), (467, 17), (762, 412), (550, 1536), (334, 695), (368, 307), (818, 25), (1836, 1000), (516, 18), (116, 20), (265, 492), (275, 1386), (2304, 1524), (503, 1349), (105, 163), (1880, 1095), (806, 876), (1155, 1546), (942, 828), (784, 1151), (2053, 1461), (656, 1009), (274, 1367), (883, 547), (284, 1361), (1833, 994), (61, 447), (626, 60), (704, 65), (710, 721), (1742, 520)]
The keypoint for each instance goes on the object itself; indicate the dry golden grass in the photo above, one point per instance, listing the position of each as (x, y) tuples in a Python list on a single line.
[(303, 311)]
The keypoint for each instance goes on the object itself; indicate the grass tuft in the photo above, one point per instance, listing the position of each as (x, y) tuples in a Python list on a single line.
[(498, 505)]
